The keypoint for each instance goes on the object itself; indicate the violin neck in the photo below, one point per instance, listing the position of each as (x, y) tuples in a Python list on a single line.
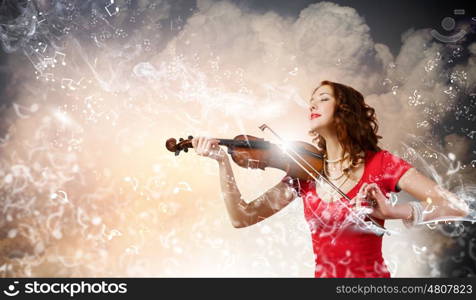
[(243, 143), (226, 142)]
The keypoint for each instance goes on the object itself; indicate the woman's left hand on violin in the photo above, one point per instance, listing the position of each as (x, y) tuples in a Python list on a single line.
[(371, 196)]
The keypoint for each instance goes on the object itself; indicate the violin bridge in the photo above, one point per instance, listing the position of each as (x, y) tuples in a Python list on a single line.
[(253, 163)]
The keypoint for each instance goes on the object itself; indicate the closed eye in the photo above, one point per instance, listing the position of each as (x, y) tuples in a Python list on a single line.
[(322, 100)]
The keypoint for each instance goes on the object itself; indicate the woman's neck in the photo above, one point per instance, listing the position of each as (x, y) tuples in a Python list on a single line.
[(333, 148)]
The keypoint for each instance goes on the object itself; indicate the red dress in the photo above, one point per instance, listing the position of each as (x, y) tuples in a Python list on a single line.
[(341, 247)]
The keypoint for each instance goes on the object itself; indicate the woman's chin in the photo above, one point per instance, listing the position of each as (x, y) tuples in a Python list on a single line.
[(320, 125), (315, 128)]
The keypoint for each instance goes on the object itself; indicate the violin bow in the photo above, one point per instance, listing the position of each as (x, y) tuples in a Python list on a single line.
[(375, 223)]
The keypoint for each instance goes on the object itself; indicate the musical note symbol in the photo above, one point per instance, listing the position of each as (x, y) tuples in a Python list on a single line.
[(19, 108), (41, 47), (386, 81), (471, 134), (81, 216), (48, 61), (147, 45), (56, 229), (67, 82), (59, 56), (132, 250), (453, 169), (422, 124), (418, 250), (294, 71), (114, 233), (48, 77), (78, 84), (112, 9), (185, 187), (134, 181), (63, 199), (167, 240), (394, 89), (40, 21), (57, 233)]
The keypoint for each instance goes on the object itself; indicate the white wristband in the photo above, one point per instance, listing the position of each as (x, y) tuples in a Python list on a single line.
[(417, 213)]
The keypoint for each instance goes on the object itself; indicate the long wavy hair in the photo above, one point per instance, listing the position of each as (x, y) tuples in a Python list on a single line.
[(355, 123)]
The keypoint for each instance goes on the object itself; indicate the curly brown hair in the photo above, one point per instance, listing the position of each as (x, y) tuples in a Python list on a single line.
[(354, 120)]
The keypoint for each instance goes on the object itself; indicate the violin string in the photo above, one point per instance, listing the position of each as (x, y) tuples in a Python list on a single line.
[(332, 185), (310, 166), (336, 189), (264, 126)]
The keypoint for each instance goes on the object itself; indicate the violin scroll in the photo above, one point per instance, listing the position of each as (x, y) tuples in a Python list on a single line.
[(172, 146)]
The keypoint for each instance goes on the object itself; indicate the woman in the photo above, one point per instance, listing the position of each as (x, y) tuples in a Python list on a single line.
[(345, 128)]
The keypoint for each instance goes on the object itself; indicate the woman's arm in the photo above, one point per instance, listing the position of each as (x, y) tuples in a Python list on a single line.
[(243, 214), (436, 201)]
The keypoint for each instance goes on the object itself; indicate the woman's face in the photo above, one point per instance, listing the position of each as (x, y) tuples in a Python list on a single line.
[(321, 108)]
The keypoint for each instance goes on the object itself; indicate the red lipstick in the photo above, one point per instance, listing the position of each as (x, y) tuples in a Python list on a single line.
[(313, 116)]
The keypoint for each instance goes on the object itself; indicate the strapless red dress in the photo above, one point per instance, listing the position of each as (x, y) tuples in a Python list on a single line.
[(342, 246)]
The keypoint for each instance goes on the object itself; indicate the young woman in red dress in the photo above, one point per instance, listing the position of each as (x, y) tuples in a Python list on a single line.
[(345, 127)]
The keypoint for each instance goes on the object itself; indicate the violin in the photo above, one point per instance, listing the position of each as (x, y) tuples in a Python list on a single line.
[(298, 159), (252, 152)]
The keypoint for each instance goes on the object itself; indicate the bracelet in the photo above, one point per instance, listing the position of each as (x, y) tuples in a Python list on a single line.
[(410, 217), (408, 221), (416, 215)]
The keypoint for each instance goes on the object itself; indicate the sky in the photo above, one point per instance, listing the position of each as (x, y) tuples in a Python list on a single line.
[(388, 20), (91, 90)]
